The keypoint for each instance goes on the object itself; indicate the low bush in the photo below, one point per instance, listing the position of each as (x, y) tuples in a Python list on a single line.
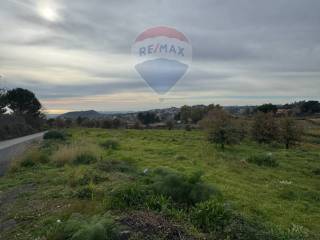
[(266, 160), (211, 216), (85, 158), (85, 192), (216, 218), (180, 157), (294, 232), (220, 222), (158, 203), (139, 197), (81, 228), (129, 196), (30, 159), (115, 166), (110, 144), (182, 189), (187, 128), (81, 177), (242, 228), (49, 147), (316, 172), (27, 162), (55, 135), (289, 195)]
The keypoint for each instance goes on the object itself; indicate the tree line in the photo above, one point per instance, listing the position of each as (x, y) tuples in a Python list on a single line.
[(264, 127), (106, 123), (20, 113)]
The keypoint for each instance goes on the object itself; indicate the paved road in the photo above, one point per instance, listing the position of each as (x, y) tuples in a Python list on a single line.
[(14, 147)]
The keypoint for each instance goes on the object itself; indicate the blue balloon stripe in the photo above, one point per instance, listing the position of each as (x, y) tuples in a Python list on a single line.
[(161, 74)]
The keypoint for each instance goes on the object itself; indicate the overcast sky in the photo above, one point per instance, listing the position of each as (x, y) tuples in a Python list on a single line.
[(75, 55)]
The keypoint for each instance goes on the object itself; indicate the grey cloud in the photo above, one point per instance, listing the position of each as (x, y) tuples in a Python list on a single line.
[(50, 91), (272, 43)]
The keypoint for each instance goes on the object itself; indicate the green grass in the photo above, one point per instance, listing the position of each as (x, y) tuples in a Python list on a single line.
[(278, 196)]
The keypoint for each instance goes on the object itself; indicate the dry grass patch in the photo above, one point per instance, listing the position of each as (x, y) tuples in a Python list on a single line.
[(31, 158), (76, 153)]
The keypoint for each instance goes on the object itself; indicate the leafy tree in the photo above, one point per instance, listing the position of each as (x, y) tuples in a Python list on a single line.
[(290, 131), (310, 107), (170, 124), (148, 117), (185, 114), (137, 125), (265, 128), (79, 120), (116, 123), (68, 122), (23, 102), (221, 128), (266, 108), (106, 123), (195, 113), (211, 107), (3, 101), (26, 114), (177, 116)]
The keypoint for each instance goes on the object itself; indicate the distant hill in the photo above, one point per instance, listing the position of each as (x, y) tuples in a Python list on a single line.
[(128, 115), (91, 114)]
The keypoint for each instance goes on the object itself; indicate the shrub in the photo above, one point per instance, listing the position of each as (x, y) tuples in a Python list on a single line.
[(55, 135), (27, 162), (33, 157), (80, 176), (80, 228), (85, 158), (182, 189), (211, 216), (221, 128), (111, 144), (115, 166), (295, 232), (85, 192), (158, 203), (77, 177), (290, 131), (316, 172), (265, 128), (187, 128), (129, 196), (242, 228), (218, 219), (49, 147), (139, 197), (289, 195), (263, 160), (180, 157)]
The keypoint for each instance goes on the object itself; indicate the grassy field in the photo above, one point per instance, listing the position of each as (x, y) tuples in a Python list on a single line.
[(46, 189)]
